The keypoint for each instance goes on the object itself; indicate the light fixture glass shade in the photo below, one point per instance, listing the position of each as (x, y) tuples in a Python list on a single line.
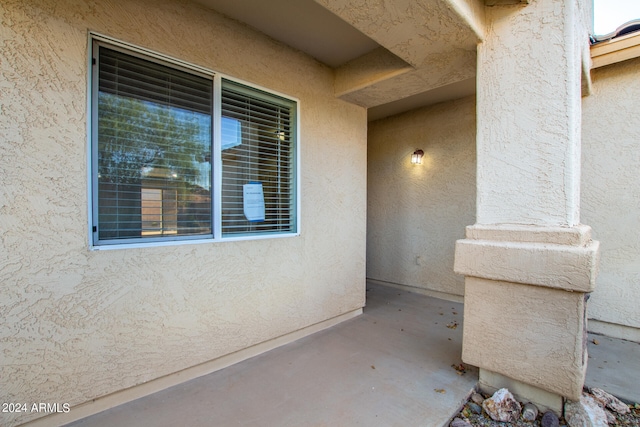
[(416, 157)]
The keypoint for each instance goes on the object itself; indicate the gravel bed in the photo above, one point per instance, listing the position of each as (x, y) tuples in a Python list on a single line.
[(632, 419)]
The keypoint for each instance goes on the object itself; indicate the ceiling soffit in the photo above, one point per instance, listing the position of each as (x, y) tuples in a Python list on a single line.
[(302, 24), (433, 43), (409, 29), (383, 51)]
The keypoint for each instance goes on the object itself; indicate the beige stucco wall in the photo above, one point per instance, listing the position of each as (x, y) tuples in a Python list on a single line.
[(528, 154), (611, 195), (78, 324), (417, 212)]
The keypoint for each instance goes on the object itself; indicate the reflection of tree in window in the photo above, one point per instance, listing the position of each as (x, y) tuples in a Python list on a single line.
[(153, 152), (147, 147)]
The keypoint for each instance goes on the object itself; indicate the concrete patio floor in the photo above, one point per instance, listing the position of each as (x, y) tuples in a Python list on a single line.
[(391, 366), (614, 366)]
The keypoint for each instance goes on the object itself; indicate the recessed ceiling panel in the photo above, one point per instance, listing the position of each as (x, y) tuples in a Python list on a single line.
[(301, 24), (445, 93)]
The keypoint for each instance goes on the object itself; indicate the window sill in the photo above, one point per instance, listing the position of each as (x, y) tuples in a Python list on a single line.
[(142, 245)]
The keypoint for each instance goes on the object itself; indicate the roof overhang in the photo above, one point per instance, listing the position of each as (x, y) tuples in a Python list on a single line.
[(615, 50)]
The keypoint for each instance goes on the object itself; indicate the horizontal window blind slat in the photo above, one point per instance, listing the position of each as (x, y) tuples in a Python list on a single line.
[(125, 80), (266, 123), (238, 231), (122, 76), (147, 93), (263, 113), (129, 76), (240, 92), (231, 218), (264, 146), (236, 177)]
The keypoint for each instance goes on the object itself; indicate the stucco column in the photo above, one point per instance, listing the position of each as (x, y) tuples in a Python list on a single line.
[(528, 261)]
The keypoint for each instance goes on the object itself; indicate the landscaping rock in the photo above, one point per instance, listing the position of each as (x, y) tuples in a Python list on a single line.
[(459, 422), (585, 413), (477, 398), (502, 406), (549, 419), (611, 419), (578, 420), (475, 408), (529, 412), (609, 401)]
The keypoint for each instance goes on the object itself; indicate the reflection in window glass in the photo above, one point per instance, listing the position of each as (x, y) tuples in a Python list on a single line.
[(153, 151)]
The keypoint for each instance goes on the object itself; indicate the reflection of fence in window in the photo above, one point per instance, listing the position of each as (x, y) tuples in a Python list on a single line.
[(159, 209)]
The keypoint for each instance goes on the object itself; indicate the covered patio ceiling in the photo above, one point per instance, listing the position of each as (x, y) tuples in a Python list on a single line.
[(388, 56)]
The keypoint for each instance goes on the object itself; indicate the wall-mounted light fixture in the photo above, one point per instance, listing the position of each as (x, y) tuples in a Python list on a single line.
[(416, 157)]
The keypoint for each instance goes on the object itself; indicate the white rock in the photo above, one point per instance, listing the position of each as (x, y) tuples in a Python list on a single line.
[(577, 420), (585, 413), (529, 412), (610, 401), (502, 406)]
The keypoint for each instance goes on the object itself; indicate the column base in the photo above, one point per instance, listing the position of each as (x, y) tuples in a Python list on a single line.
[(490, 382), (525, 305)]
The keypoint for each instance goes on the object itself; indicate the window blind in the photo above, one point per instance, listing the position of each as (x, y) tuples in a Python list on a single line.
[(153, 155), (266, 156)]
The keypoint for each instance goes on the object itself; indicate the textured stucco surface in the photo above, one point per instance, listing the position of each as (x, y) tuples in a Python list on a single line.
[(572, 268), (78, 324), (436, 39), (529, 83), (373, 67), (416, 212), (611, 192), (399, 25), (376, 88), (530, 333)]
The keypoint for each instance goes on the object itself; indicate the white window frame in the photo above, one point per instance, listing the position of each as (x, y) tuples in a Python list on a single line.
[(216, 190)]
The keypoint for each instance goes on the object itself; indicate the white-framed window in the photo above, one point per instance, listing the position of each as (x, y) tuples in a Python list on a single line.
[(178, 153)]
